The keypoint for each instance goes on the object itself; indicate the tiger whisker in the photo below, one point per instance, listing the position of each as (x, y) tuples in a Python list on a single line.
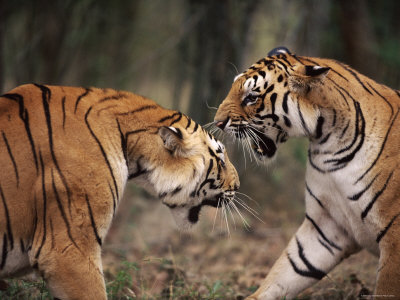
[(226, 220), (211, 107), (228, 206), (246, 205), (207, 125), (248, 197), (245, 223), (249, 210)]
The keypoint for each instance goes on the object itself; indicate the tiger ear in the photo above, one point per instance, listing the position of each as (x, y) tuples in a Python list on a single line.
[(172, 138), (307, 77)]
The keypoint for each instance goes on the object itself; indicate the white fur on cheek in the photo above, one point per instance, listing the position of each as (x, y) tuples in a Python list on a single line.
[(181, 215)]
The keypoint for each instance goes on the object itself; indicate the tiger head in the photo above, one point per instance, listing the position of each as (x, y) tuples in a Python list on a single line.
[(268, 102), (193, 170)]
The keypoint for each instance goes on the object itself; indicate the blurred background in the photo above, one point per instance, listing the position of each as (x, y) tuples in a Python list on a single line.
[(184, 54)]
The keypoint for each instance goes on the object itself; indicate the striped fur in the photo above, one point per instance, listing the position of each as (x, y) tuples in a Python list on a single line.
[(352, 178), (66, 154)]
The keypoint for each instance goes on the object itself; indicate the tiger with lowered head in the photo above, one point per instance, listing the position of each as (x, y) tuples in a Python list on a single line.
[(352, 190), (66, 154)]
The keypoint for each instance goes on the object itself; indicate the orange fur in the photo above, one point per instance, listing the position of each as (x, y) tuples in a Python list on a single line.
[(66, 154)]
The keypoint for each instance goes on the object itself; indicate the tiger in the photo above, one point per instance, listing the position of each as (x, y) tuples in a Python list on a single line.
[(66, 155), (352, 174)]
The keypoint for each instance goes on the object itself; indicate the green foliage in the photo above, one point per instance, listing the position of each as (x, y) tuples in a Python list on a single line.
[(120, 286), (22, 289)]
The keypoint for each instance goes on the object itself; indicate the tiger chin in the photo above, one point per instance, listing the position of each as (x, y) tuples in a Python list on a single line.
[(352, 178), (66, 156)]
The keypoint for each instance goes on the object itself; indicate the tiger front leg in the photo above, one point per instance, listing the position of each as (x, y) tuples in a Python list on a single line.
[(318, 246), (73, 273), (388, 275)]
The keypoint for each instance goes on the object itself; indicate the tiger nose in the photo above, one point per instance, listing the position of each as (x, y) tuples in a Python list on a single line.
[(221, 124)]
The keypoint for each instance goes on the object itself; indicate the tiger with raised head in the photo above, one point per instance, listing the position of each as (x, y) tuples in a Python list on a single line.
[(66, 154), (352, 190)]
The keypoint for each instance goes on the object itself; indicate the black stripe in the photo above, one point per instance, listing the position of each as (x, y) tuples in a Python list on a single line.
[(46, 95), (176, 120), (169, 117), (62, 211), (196, 127), (334, 117), (284, 102), (312, 195), (318, 130), (5, 251), (344, 130), (357, 196), (385, 230), (377, 195), (382, 147), (134, 132), (123, 144), (287, 122), (325, 139), (21, 245), (332, 244), (11, 157), (113, 97), (337, 88), (139, 170), (113, 197), (312, 271), (23, 114), (8, 222), (98, 239), (269, 89), (145, 107), (212, 153), (388, 103), (35, 222), (44, 206), (188, 123), (282, 64), (206, 180), (356, 128), (176, 190), (63, 110), (342, 161), (326, 246), (313, 164), (52, 233), (102, 151), (354, 74), (303, 123), (87, 91)]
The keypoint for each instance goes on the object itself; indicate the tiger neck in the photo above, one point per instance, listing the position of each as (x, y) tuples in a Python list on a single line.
[(338, 138), (137, 122)]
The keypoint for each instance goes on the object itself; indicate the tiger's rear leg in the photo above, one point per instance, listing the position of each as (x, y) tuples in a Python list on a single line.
[(312, 252), (72, 274)]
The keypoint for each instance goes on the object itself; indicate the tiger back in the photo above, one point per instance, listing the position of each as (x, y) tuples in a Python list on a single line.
[(66, 154), (352, 178)]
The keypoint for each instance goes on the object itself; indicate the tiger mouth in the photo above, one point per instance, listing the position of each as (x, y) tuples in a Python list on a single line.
[(263, 145)]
